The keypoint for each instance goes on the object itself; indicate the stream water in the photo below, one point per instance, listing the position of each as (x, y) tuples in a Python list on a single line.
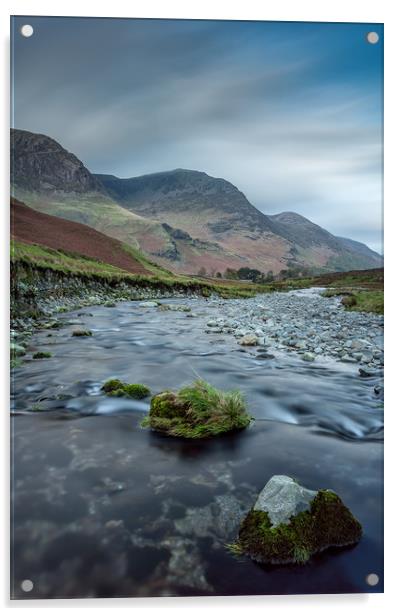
[(103, 508)]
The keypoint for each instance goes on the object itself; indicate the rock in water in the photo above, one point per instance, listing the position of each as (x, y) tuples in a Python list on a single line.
[(289, 523), (148, 304), (282, 498), (249, 340)]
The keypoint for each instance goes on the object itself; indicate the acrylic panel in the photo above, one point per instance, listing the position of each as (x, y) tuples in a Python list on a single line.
[(196, 308)]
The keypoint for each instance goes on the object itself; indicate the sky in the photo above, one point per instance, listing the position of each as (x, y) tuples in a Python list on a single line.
[(290, 113)]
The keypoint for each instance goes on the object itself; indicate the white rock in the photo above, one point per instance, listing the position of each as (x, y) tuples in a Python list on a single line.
[(282, 498), (249, 340)]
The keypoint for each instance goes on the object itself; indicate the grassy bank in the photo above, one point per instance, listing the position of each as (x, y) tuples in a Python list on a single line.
[(41, 259), (363, 289)]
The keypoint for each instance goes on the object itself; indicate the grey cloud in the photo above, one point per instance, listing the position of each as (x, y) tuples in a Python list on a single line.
[(133, 101)]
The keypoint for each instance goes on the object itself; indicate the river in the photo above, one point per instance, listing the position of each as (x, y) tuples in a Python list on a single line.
[(103, 508)]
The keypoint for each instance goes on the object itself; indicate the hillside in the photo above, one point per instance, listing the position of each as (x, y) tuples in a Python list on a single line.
[(214, 210), (50, 179), (32, 227), (184, 220)]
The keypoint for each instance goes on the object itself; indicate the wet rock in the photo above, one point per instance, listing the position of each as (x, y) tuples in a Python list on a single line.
[(249, 340), (308, 356), (281, 498), (17, 350), (81, 332), (148, 304), (289, 523)]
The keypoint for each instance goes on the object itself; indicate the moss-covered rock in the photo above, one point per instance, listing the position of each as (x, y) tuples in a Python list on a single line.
[(319, 524), (82, 332), (41, 355), (115, 387), (197, 411)]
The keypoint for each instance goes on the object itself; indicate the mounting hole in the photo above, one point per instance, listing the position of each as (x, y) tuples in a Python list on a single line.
[(372, 37), (26, 30), (27, 585), (372, 579)]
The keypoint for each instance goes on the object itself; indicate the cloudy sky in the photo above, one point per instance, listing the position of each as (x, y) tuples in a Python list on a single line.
[(291, 113)]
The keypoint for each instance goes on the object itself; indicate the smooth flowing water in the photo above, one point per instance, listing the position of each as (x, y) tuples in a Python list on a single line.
[(103, 508)]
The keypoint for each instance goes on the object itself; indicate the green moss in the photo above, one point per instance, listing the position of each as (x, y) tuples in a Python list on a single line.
[(109, 304), (197, 411), (41, 355), (328, 523), (115, 387), (81, 332)]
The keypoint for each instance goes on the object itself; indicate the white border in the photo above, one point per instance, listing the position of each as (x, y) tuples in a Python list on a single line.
[(375, 11)]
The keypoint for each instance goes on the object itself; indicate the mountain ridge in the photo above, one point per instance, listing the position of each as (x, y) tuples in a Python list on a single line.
[(185, 220)]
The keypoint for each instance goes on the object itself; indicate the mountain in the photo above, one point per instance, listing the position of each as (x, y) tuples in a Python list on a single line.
[(32, 227), (214, 210), (50, 179), (184, 220)]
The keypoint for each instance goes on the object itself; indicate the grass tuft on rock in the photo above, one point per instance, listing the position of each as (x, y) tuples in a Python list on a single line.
[(116, 388), (197, 411), (41, 355), (328, 523)]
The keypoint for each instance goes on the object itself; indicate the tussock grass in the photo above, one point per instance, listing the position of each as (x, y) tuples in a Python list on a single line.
[(196, 411)]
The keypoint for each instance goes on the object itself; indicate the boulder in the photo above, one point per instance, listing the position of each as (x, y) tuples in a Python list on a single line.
[(289, 523)]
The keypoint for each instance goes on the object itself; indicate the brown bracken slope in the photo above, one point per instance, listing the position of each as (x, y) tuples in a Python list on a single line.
[(32, 227)]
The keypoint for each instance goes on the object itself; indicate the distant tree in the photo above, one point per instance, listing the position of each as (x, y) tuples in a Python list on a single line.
[(219, 275), (231, 274), (202, 272), (269, 276)]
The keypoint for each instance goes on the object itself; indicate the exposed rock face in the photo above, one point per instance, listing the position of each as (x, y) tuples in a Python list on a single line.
[(40, 163), (289, 523), (282, 498)]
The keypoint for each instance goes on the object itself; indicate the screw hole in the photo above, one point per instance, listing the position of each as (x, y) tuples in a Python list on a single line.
[(372, 579), (372, 38), (27, 30), (27, 585)]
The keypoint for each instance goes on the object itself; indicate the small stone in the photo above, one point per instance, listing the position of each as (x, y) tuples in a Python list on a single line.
[(249, 340), (81, 332), (348, 359), (148, 304), (308, 356)]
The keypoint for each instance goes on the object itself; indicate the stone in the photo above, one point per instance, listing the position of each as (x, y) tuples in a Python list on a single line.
[(283, 497), (249, 340), (308, 356), (290, 523), (148, 304), (17, 350), (348, 359)]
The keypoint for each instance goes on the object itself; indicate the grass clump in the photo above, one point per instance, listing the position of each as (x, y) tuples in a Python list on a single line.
[(197, 411), (328, 523), (41, 355), (115, 387)]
